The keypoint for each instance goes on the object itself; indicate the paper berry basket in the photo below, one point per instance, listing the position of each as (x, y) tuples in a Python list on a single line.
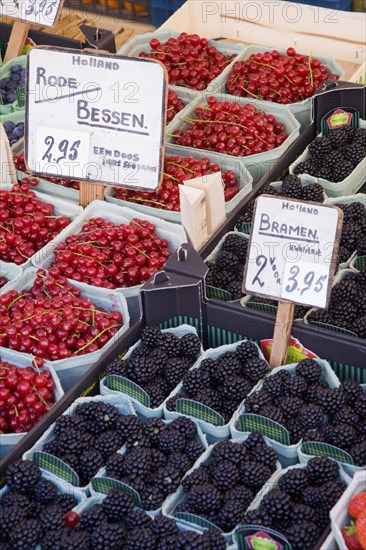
[(244, 178), (210, 421), (8, 441), (4, 73), (302, 109), (70, 370), (61, 208), (117, 385), (339, 517), (259, 164), (277, 434), (11, 271), (57, 467), (101, 484), (173, 233), (179, 497)]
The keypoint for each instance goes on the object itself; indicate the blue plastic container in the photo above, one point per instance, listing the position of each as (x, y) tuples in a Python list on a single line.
[(344, 5), (161, 10)]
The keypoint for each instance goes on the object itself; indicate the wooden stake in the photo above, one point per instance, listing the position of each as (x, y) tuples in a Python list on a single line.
[(17, 40), (282, 333), (90, 192)]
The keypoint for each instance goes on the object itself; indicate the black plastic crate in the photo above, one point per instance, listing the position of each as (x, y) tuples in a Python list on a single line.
[(136, 10)]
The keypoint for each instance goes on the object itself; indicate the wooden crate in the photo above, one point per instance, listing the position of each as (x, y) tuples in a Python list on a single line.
[(276, 24)]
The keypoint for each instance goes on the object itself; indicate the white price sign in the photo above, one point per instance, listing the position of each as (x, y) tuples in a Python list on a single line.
[(293, 246), (95, 117), (39, 12)]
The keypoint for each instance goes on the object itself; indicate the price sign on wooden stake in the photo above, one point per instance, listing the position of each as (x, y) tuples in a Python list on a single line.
[(95, 117), (292, 258)]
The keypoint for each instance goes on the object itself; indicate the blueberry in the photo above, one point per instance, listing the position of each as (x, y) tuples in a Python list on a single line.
[(11, 97), (8, 126), (18, 132)]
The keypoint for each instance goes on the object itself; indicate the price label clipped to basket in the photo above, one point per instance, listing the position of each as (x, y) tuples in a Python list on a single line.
[(95, 117), (292, 258)]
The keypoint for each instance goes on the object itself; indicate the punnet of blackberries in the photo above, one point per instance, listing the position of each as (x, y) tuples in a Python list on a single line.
[(292, 188), (222, 488), (298, 400), (299, 505), (159, 362), (226, 270), (347, 307), (353, 237), (346, 427), (334, 157), (85, 439), (156, 457), (223, 383), (31, 507)]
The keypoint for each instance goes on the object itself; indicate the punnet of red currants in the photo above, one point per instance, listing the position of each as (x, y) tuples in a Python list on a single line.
[(26, 395), (177, 170), (52, 319), (19, 162), (230, 128), (280, 78), (112, 256), (27, 223), (189, 59)]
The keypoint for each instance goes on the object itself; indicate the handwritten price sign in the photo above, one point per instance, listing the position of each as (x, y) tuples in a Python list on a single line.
[(89, 117), (40, 12), (293, 247)]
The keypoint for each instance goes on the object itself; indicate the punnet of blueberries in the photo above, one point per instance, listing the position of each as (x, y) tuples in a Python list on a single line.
[(10, 84)]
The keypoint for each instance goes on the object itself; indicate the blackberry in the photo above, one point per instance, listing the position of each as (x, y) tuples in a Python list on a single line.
[(144, 370), (256, 369), (151, 497), (322, 469), (67, 502), (343, 312), (273, 385), (227, 364), (153, 428), (118, 367), (302, 512), (293, 482), (267, 456), (302, 536), (346, 415), (291, 187), (227, 261), (66, 422), (89, 465), (74, 540), (253, 474), (45, 492), (205, 497), (166, 479), (273, 413), (277, 504), (171, 344), (311, 416), (158, 459), (115, 466), (128, 425), (246, 351), (237, 245), (151, 336), (210, 398), (325, 172), (175, 369), (296, 386), (295, 429), (331, 493), (360, 405), (52, 540), (354, 152), (26, 535), (358, 453), (138, 440), (108, 443), (313, 435), (116, 504), (230, 515), (195, 381), (310, 370), (52, 518), (225, 475), (137, 518), (99, 416), (171, 440), (345, 290), (337, 138), (359, 327), (185, 426), (107, 536), (290, 406), (240, 493), (305, 167), (257, 517), (163, 526), (197, 477), (23, 476), (343, 435), (331, 399), (227, 451), (69, 441), (194, 450), (20, 502), (213, 539), (190, 541), (51, 448), (140, 539), (360, 135), (180, 462), (10, 516), (256, 401), (157, 391), (171, 403), (235, 289), (71, 459), (190, 345), (235, 388), (342, 171), (320, 147)]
